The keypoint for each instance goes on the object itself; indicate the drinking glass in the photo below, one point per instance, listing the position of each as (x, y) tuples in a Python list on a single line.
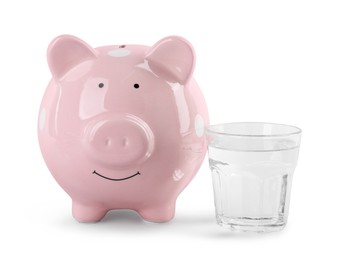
[(252, 167)]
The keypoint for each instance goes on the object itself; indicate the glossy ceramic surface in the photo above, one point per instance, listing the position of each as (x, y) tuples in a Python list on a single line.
[(122, 126)]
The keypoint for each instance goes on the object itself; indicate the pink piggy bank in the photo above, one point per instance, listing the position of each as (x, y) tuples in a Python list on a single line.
[(121, 126)]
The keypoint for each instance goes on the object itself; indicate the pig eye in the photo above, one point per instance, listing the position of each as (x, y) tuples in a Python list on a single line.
[(136, 85), (101, 85)]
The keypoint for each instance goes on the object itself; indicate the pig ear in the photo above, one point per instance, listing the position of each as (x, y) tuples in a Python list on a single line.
[(65, 52), (172, 59)]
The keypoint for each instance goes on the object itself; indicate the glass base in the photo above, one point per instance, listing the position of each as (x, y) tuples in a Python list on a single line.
[(245, 224)]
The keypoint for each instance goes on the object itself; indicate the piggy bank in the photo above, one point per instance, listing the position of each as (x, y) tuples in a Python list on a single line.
[(122, 126)]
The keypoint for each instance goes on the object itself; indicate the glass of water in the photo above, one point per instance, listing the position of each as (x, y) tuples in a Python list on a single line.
[(252, 166)]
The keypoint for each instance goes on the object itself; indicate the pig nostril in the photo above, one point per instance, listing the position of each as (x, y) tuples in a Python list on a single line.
[(125, 142), (108, 142)]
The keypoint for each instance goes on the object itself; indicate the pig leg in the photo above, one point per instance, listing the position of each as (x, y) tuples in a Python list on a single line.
[(162, 213), (87, 213)]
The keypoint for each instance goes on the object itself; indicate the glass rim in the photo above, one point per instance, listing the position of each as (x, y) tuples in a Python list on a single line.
[(209, 129)]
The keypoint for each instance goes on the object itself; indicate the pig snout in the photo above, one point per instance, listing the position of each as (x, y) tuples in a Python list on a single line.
[(120, 140)]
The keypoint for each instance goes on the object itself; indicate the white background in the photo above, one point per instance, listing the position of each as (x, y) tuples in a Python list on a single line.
[(275, 61)]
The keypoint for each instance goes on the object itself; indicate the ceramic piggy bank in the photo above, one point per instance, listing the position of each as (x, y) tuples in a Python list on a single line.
[(121, 126)]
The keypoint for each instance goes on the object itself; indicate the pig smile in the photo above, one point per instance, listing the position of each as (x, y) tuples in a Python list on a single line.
[(122, 179)]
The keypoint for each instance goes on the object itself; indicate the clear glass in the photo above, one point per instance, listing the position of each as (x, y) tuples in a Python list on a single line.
[(252, 166)]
